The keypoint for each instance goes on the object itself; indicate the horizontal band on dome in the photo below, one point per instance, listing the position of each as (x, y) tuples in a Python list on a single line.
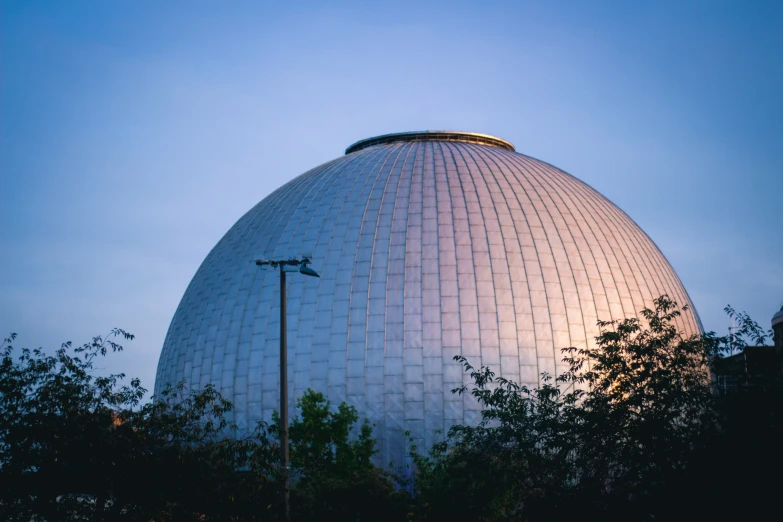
[(466, 137)]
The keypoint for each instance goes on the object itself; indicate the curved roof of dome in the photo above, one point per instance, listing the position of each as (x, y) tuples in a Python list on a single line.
[(429, 245), (778, 317)]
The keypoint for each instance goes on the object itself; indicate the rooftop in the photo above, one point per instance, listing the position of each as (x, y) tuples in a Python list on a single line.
[(467, 137)]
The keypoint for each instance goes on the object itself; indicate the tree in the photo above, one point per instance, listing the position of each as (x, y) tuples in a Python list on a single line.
[(631, 430), (75, 446), (612, 437), (642, 405), (333, 475)]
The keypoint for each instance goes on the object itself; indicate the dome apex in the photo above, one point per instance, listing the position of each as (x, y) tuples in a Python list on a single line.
[(467, 137)]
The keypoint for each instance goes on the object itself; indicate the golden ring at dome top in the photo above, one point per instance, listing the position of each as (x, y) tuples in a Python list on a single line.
[(466, 137)]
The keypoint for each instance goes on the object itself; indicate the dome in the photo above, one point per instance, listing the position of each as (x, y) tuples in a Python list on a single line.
[(429, 245), (777, 318)]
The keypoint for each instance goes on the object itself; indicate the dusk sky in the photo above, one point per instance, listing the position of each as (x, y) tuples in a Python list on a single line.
[(134, 134)]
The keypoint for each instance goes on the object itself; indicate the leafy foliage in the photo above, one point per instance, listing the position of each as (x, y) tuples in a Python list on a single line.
[(648, 401), (630, 430), (333, 474), (610, 438), (75, 446)]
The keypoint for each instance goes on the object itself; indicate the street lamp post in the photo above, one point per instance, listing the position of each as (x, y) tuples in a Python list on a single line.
[(286, 265)]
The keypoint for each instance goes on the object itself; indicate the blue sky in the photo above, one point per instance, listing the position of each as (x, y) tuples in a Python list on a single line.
[(133, 135)]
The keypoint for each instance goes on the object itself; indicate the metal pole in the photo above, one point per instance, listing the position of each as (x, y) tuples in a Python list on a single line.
[(303, 269), (284, 391)]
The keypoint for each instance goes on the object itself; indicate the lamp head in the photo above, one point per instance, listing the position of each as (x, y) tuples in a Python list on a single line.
[(304, 269)]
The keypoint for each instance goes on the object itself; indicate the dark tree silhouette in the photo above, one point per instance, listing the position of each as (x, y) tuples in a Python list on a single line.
[(630, 430)]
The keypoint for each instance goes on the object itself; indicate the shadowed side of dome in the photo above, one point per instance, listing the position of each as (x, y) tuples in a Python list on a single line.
[(465, 137), (777, 328)]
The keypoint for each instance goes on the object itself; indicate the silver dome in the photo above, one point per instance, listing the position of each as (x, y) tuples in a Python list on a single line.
[(429, 245)]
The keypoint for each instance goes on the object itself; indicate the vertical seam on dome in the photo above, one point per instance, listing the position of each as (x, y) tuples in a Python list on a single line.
[(413, 257), (233, 241), (421, 159), (326, 172), (305, 219), (327, 227), (359, 181), (598, 234), (561, 188), (487, 158), (275, 242), (361, 211), (378, 169), (540, 174), (392, 150), (669, 277), (659, 274), (518, 233), (330, 180), (450, 148), (528, 179), (407, 147), (519, 177), (539, 183), (234, 236), (582, 194), (621, 239), (467, 149), (461, 400), (585, 227), (395, 151), (305, 222), (665, 271), (653, 267), (430, 147), (327, 178), (459, 150)]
